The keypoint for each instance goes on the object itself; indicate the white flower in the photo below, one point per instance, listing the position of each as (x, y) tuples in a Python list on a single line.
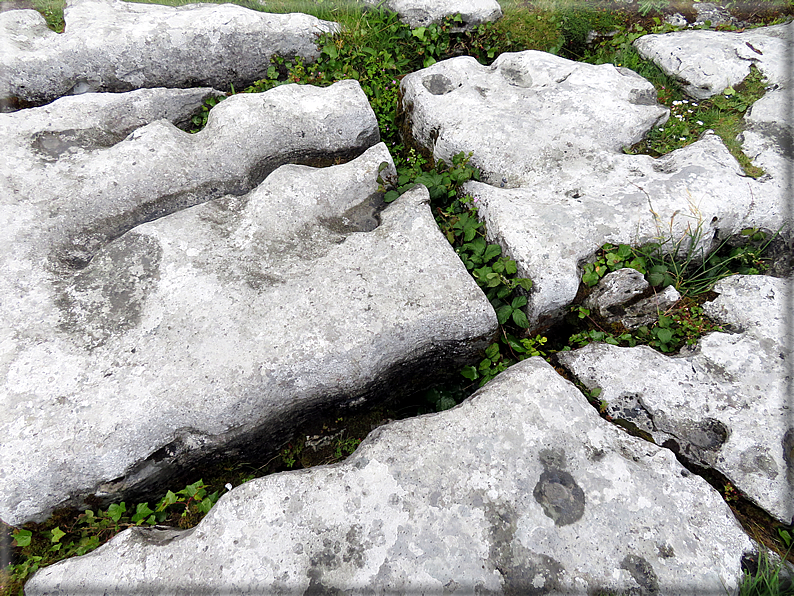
[(689, 111), (682, 138), (676, 103), (228, 486), (700, 123), (661, 129)]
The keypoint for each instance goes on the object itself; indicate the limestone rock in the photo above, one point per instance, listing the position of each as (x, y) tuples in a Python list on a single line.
[(86, 188), (420, 13), (522, 489), (616, 289), (110, 45), (547, 134), (647, 310), (527, 113), (550, 229), (219, 327), (713, 14), (724, 405), (709, 61)]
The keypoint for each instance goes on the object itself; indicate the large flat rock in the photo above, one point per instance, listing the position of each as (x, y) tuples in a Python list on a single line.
[(706, 62), (548, 135), (530, 116), (216, 328), (111, 45), (522, 489), (725, 405)]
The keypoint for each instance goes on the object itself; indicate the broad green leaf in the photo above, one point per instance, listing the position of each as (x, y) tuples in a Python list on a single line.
[(22, 537), (56, 534), (493, 251), (504, 313), (520, 319), (524, 282), (469, 372), (492, 351), (519, 301), (664, 335), (115, 511)]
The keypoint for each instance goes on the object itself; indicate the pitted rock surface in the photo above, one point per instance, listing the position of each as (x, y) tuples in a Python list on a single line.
[(449, 501), (530, 116), (216, 327), (724, 404), (111, 45), (548, 135), (421, 13)]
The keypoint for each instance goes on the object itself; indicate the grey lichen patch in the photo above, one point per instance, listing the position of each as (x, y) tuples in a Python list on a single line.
[(643, 574), (561, 498), (438, 84), (363, 217), (106, 298), (51, 146), (524, 572), (516, 76)]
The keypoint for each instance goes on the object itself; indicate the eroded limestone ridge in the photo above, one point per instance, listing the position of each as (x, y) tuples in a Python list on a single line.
[(209, 311), (111, 45)]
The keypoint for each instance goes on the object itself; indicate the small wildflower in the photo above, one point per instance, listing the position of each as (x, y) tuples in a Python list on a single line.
[(228, 486), (676, 103), (700, 123), (689, 111), (682, 138), (684, 101), (661, 129), (694, 104)]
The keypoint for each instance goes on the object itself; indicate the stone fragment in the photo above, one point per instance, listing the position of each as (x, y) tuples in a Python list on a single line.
[(707, 62), (713, 14), (647, 310), (522, 489), (723, 405), (110, 45), (616, 289), (130, 350), (421, 13)]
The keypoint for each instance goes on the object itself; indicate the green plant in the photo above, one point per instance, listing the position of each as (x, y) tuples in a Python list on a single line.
[(345, 447), (199, 121), (769, 579)]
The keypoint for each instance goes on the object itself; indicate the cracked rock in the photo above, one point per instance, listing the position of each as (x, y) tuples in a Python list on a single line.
[(519, 490), (723, 405)]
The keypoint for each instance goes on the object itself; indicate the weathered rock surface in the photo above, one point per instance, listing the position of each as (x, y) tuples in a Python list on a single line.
[(522, 489), (110, 45), (420, 13), (218, 326), (79, 187), (707, 62), (725, 404), (548, 134), (531, 116)]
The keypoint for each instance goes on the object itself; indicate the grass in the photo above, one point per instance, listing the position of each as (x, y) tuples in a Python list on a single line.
[(377, 50)]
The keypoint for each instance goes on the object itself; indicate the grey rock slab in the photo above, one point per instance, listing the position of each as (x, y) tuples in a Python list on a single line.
[(219, 328), (616, 289), (110, 45), (522, 489), (421, 13), (530, 116), (79, 190), (551, 229), (722, 405), (709, 61), (713, 14), (648, 310)]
